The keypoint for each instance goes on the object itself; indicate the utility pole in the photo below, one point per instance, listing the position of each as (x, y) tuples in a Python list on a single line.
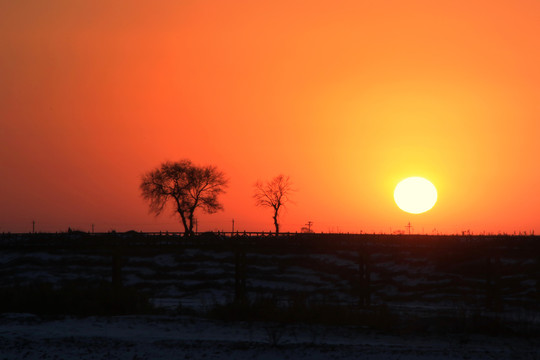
[(232, 227), (33, 226), (92, 228), (309, 223), (409, 226)]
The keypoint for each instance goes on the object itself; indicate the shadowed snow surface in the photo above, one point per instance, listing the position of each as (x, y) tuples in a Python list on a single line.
[(155, 337)]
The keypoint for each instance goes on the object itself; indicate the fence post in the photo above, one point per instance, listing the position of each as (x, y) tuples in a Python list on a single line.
[(363, 285), (116, 270), (240, 275), (493, 296)]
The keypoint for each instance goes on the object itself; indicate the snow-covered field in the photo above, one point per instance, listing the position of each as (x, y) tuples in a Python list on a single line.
[(197, 277), (159, 337), (421, 283)]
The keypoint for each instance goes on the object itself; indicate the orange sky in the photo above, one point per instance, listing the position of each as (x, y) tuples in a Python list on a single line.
[(345, 97)]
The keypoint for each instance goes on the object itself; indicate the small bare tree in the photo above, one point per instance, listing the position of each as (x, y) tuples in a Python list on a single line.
[(186, 188), (274, 194)]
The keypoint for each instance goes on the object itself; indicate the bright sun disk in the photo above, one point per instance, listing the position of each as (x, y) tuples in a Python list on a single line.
[(415, 195)]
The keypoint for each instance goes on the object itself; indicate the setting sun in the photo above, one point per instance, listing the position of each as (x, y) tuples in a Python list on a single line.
[(415, 195)]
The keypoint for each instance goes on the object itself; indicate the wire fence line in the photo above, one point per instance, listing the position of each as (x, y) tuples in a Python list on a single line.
[(90, 240), (132, 238)]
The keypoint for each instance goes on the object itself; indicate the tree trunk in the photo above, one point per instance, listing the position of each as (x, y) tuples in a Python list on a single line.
[(276, 222), (191, 223), (184, 222)]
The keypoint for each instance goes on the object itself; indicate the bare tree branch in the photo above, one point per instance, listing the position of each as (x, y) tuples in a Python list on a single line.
[(274, 194)]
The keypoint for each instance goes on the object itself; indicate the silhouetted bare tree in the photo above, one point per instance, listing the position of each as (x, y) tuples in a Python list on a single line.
[(273, 194), (186, 188)]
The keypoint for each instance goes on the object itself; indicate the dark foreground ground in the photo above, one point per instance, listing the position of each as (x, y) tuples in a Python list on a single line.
[(142, 296), (166, 337)]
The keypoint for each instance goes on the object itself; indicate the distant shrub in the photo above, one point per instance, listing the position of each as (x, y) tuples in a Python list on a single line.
[(298, 310), (74, 298)]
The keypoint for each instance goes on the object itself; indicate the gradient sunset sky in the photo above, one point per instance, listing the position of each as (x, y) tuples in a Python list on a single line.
[(345, 97)]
